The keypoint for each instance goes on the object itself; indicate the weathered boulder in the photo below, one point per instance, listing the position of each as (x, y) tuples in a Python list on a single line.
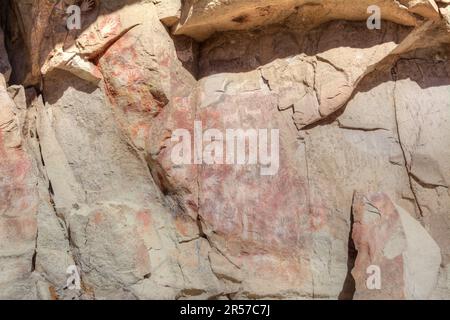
[(402, 252)]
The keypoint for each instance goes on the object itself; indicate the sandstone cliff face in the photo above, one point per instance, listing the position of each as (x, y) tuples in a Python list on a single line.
[(87, 176)]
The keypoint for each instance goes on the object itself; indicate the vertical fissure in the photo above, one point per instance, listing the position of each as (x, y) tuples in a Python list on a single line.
[(394, 74)]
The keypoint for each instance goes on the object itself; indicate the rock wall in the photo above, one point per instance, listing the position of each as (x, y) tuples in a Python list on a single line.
[(88, 179)]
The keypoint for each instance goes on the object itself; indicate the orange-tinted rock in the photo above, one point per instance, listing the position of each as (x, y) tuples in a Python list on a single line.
[(88, 179), (397, 258)]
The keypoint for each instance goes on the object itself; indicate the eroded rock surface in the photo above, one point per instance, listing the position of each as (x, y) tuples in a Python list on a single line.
[(202, 18), (388, 237), (87, 171)]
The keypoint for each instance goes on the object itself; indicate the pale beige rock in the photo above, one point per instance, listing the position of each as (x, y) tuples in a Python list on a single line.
[(388, 237), (169, 11), (87, 177)]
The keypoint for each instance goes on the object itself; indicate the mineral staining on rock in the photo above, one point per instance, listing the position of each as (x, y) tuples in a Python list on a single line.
[(387, 236), (87, 179)]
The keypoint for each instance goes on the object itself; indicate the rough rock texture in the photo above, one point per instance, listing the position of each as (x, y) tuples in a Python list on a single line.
[(87, 177), (387, 236), (201, 18), (5, 68)]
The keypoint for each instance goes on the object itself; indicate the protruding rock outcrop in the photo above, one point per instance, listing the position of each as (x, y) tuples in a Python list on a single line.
[(393, 246)]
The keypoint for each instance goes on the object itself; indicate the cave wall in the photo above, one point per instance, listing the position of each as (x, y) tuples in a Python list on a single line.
[(87, 178)]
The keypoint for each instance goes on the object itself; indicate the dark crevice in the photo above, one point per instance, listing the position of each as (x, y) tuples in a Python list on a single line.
[(360, 128), (51, 194), (241, 19), (173, 196), (201, 233), (15, 44), (426, 185), (33, 259), (40, 150), (349, 288)]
